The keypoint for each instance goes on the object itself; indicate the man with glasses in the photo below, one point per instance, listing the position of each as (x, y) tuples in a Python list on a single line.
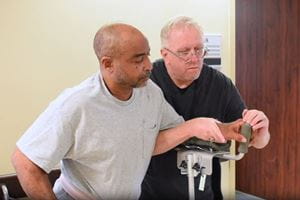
[(194, 90)]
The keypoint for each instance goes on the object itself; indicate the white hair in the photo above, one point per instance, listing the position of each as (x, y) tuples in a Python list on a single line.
[(179, 21)]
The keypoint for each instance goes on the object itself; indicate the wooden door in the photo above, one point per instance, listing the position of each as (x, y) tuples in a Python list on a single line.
[(268, 77)]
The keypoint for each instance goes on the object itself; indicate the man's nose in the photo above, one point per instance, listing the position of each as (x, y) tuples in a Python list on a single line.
[(148, 64), (193, 58)]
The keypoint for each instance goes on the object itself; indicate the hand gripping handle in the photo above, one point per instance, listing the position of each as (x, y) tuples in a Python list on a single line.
[(246, 131)]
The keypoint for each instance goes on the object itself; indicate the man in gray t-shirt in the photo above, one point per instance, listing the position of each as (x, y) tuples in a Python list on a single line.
[(105, 130)]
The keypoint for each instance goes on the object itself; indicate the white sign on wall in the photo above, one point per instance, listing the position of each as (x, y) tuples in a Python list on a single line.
[(213, 44)]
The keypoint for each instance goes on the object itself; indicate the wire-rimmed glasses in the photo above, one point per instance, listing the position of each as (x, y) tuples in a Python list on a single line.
[(187, 55)]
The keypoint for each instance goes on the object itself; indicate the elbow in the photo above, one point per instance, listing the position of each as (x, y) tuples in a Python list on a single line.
[(159, 150), (156, 152)]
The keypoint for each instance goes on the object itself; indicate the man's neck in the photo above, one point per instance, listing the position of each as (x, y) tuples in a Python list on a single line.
[(120, 92)]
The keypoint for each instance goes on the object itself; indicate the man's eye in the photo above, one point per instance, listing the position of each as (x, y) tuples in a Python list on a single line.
[(139, 59), (183, 53)]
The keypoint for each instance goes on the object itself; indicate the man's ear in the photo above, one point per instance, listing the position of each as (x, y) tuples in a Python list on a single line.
[(107, 63), (163, 53)]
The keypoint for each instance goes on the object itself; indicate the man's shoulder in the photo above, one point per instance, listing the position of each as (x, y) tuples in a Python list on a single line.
[(158, 67), (159, 73), (159, 63), (153, 87), (151, 91), (215, 75), (78, 94)]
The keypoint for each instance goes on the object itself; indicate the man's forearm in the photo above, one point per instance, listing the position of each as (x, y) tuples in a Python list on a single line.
[(34, 180), (170, 138), (38, 187), (202, 128)]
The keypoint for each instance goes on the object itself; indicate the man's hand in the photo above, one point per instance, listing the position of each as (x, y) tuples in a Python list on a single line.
[(207, 129), (202, 128), (231, 131), (260, 127)]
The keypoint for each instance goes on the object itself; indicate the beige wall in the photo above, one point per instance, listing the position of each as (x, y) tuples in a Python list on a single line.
[(47, 46)]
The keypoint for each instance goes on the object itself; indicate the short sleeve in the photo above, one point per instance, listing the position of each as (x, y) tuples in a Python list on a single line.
[(48, 140), (170, 118)]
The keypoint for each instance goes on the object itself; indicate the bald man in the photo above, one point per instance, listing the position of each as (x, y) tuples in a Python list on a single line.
[(104, 130)]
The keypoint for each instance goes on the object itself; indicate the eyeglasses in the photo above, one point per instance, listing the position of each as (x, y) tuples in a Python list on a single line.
[(187, 55)]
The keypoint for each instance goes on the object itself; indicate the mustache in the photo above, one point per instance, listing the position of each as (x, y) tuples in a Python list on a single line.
[(147, 74)]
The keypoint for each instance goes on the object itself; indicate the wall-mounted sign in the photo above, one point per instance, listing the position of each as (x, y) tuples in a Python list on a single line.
[(213, 44)]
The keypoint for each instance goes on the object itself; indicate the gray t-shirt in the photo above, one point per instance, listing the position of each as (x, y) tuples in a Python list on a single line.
[(109, 141)]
